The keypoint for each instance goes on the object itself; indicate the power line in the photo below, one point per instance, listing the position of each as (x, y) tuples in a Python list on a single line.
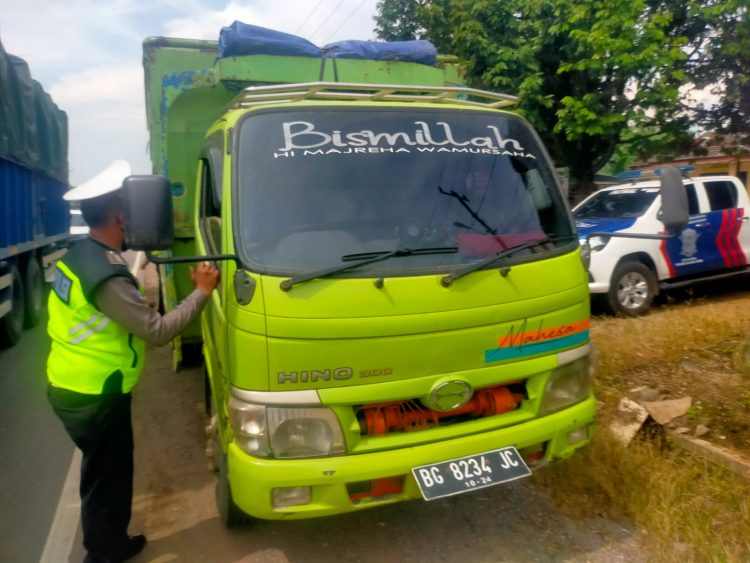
[(345, 20), (307, 18), (325, 21)]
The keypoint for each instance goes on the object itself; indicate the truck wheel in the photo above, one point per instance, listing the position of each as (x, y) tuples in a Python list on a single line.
[(229, 513), (631, 289), (34, 289), (11, 325)]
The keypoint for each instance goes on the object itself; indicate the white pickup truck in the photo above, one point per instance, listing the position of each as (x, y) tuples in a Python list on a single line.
[(627, 272)]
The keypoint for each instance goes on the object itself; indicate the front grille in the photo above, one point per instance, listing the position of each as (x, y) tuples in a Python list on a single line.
[(410, 415)]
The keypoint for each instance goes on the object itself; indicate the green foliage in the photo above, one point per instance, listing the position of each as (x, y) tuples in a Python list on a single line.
[(724, 59), (396, 20), (404, 20), (586, 71), (594, 74)]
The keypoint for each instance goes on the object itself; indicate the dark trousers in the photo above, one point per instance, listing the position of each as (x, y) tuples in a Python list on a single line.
[(100, 425)]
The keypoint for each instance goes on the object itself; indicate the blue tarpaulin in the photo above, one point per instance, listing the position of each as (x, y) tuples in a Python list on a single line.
[(245, 39), (418, 51)]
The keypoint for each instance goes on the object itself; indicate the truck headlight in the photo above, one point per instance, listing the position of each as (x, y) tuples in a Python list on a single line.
[(304, 432), (568, 384), (598, 243), (285, 432), (249, 426)]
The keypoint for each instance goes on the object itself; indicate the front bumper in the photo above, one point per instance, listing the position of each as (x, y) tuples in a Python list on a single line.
[(252, 480)]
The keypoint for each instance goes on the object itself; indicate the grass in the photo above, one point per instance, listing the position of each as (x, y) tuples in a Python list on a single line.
[(683, 350), (686, 508)]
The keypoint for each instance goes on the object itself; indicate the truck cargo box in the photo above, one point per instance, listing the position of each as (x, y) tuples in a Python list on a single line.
[(34, 218)]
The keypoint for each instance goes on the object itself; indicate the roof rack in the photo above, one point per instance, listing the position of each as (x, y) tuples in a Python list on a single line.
[(343, 91)]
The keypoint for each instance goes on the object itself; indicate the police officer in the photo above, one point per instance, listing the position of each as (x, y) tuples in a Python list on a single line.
[(99, 324)]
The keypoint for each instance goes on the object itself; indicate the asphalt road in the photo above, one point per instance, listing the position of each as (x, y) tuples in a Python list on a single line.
[(35, 451)]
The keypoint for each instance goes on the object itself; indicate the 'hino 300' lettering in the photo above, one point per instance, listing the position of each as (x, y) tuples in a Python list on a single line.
[(310, 376)]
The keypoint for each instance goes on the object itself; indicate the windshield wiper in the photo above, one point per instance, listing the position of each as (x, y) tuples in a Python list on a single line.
[(450, 278), (464, 201), (363, 259)]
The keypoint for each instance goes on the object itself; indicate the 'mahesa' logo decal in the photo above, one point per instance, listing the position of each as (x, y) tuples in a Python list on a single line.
[(303, 138), (525, 340)]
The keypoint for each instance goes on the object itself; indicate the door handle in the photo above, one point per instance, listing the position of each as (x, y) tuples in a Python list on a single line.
[(702, 225), (745, 219)]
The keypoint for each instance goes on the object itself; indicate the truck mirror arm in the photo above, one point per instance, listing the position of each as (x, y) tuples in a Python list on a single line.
[(244, 285), (188, 259), (653, 236)]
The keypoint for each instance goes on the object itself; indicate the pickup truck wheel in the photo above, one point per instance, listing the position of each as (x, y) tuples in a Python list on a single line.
[(229, 513), (11, 324), (631, 289), (34, 288)]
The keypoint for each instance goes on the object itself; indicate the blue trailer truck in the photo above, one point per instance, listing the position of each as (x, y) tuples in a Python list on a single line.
[(34, 218)]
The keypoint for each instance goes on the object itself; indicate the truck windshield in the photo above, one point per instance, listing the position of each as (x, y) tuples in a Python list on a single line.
[(611, 204), (319, 184)]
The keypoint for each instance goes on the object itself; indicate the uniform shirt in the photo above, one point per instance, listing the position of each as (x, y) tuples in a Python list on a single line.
[(122, 303)]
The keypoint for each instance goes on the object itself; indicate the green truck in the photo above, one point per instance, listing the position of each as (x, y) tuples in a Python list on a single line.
[(403, 309)]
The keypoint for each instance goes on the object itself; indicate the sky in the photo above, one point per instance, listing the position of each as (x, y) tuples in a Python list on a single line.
[(87, 55)]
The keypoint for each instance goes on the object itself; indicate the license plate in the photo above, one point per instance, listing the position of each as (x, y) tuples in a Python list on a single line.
[(469, 473)]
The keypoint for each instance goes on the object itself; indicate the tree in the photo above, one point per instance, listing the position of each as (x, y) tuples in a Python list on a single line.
[(398, 20), (723, 63), (404, 20), (590, 74)]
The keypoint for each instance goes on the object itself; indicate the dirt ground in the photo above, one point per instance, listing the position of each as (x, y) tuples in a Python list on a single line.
[(174, 507), (693, 344)]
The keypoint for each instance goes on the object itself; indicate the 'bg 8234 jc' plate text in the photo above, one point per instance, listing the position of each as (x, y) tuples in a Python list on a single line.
[(468, 473)]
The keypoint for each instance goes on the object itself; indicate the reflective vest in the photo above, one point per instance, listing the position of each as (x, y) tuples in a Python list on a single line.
[(87, 346)]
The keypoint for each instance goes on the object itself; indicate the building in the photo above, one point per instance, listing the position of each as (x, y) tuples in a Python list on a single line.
[(715, 155)]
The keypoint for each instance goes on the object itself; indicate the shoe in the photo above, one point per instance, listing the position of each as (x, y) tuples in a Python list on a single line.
[(133, 546)]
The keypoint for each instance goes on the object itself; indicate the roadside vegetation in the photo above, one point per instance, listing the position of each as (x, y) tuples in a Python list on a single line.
[(685, 508), (602, 81)]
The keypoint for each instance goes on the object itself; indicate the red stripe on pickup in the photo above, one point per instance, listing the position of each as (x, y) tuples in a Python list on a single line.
[(734, 238), (665, 255), (720, 239)]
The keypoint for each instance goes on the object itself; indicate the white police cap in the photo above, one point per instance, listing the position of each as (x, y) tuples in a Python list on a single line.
[(108, 180)]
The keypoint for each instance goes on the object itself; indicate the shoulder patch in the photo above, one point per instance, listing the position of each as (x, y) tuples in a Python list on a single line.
[(115, 258), (61, 286)]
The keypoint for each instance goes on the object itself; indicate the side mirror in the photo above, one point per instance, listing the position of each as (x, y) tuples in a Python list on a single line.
[(674, 203), (147, 201)]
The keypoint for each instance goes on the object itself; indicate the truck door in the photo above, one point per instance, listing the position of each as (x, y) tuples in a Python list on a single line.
[(728, 228), (211, 242), (692, 252)]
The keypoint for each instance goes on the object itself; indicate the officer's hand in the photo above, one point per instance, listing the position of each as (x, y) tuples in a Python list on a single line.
[(205, 277)]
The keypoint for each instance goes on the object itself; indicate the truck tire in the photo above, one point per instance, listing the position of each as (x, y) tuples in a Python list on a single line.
[(631, 289), (33, 280), (11, 325), (229, 513)]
